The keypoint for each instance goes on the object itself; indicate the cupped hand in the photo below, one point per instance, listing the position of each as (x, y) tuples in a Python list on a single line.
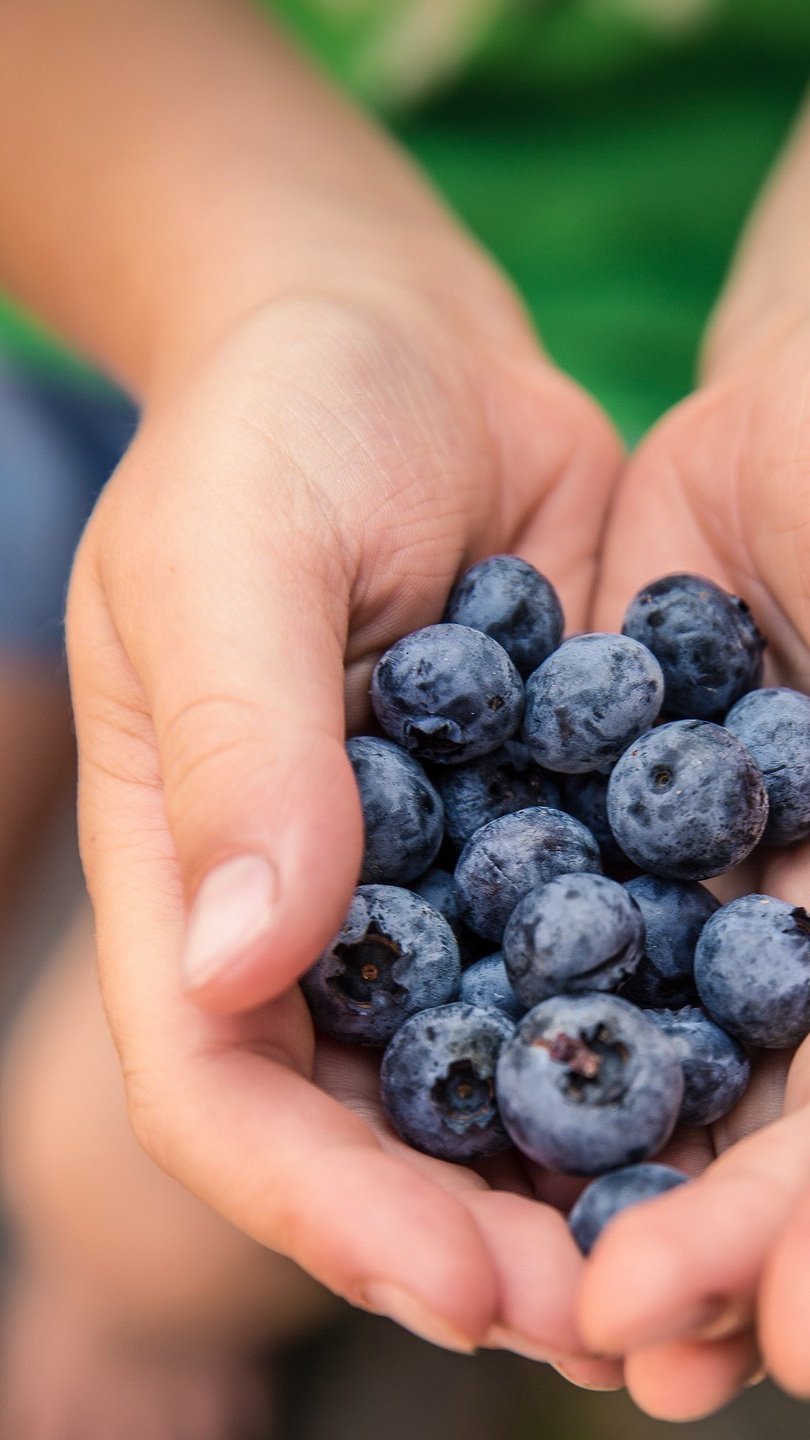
[(306, 496), (683, 1288)]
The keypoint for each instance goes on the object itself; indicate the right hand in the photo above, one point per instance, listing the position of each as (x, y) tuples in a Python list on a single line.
[(304, 497)]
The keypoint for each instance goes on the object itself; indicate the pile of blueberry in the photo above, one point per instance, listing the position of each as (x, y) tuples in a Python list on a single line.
[(562, 982)]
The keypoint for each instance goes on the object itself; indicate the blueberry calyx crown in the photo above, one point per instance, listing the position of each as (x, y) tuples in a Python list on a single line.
[(367, 978), (593, 1064), (465, 1097)]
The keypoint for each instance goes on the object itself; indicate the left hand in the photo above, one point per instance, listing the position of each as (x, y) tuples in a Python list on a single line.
[(694, 1288)]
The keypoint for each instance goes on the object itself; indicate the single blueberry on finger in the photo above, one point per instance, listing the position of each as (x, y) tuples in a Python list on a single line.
[(510, 600), (687, 801), (716, 1069), (575, 933), (437, 1081), (610, 1194), (588, 700), (505, 858), (774, 725), (394, 955), (588, 1083), (752, 970), (706, 641), (447, 693), (403, 816)]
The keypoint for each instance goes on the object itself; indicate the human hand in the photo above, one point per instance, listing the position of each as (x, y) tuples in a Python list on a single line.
[(305, 496), (692, 1288)]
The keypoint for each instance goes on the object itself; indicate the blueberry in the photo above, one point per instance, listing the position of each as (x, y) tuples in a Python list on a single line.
[(437, 1081), (575, 933), (687, 801), (447, 693), (588, 700), (497, 784), (505, 858), (585, 797), (588, 1083), (403, 817), (511, 601), (716, 1069), (486, 982), (610, 1194), (706, 640), (752, 970), (439, 888), (395, 954), (774, 724), (675, 912)]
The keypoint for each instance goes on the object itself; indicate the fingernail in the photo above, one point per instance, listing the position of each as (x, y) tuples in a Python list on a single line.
[(575, 1377), (757, 1378), (232, 907), (500, 1337), (414, 1315)]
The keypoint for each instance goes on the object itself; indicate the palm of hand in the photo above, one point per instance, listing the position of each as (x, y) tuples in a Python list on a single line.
[(722, 488)]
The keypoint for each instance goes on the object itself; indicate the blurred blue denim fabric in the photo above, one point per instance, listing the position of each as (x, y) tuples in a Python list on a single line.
[(60, 440)]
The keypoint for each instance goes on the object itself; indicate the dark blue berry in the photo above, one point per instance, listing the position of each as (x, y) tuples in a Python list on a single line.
[(774, 724), (447, 693), (588, 1083), (585, 797), (437, 1081), (675, 912), (588, 700), (510, 600), (610, 1194), (715, 1067), (752, 970), (497, 784), (576, 933), (395, 954), (439, 888), (486, 982), (706, 641), (687, 801), (403, 816), (505, 858)]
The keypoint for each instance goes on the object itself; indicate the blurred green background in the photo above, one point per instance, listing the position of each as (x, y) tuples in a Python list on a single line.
[(606, 157)]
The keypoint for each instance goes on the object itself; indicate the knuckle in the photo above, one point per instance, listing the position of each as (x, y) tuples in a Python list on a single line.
[(206, 738)]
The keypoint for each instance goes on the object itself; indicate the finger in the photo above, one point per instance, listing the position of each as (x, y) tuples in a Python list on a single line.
[(229, 696), (784, 1303), (686, 1380), (224, 1104), (657, 523), (558, 447), (539, 1267), (687, 1264)]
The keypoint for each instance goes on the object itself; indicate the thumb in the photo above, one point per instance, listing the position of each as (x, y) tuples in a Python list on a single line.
[(230, 680)]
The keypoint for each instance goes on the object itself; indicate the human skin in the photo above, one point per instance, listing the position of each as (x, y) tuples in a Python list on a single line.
[(343, 407), (722, 487)]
